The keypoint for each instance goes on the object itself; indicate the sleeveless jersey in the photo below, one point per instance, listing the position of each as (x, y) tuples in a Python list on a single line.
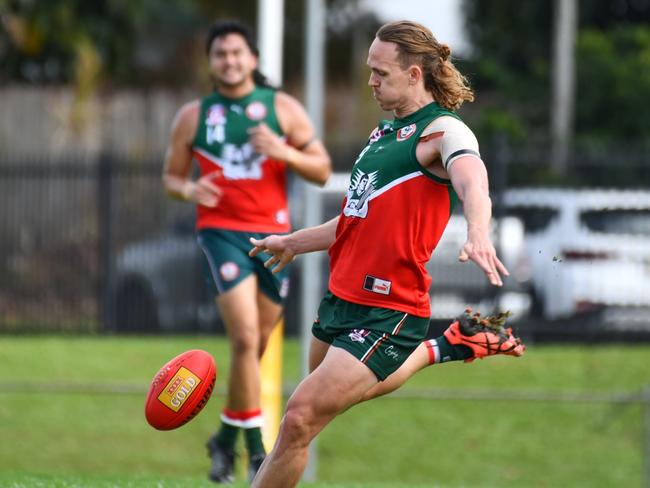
[(393, 216), (254, 187)]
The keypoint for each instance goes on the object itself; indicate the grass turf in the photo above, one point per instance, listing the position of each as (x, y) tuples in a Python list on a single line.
[(95, 437)]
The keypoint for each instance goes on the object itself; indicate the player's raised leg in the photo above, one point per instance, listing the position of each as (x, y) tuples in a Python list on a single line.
[(467, 338), (418, 360), (338, 383)]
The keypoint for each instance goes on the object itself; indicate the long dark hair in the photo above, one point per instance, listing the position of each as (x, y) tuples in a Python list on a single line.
[(224, 27)]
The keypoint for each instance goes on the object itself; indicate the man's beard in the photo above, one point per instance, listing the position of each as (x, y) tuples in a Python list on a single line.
[(230, 84)]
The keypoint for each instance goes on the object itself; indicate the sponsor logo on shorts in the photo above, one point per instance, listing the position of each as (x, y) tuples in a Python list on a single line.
[(359, 335), (391, 353), (405, 132), (377, 285), (179, 389), (256, 111), (229, 271)]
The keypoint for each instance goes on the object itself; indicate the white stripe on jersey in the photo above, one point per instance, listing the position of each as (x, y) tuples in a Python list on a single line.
[(394, 183)]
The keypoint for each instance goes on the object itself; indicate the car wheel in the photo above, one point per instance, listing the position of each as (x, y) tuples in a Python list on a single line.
[(135, 308)]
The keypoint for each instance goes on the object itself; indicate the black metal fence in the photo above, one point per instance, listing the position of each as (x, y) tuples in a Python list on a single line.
[(62, 224), (94, 244)]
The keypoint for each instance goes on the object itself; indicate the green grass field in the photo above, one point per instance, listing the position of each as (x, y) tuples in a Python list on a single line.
[(71, 415)]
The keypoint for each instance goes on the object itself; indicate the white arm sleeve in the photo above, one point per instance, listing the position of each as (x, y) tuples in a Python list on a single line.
[(457, 139)]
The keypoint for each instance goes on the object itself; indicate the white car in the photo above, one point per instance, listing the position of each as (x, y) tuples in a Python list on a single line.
[(456, 285), (586, 249)]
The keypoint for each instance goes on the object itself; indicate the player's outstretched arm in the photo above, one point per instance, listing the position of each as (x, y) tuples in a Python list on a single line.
[(284, 249), (469, 178), (448, 148)]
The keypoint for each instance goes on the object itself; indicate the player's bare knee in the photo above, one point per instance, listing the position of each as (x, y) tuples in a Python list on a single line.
[(298, 425), (245, 342)]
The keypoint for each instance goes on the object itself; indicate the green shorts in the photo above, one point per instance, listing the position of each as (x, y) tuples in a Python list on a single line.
[(380, 338), (227, 263)]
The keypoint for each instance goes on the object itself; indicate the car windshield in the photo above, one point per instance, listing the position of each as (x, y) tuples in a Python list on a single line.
[(620, 221), (535, 219)]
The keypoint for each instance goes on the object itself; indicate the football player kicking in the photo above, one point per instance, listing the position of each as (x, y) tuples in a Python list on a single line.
[(369, 335)]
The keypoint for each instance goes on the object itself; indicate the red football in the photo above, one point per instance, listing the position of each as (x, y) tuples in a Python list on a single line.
[(180, 390)]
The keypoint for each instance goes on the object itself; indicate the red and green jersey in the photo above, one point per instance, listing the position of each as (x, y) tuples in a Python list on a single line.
[(393, 216), (254, 186)]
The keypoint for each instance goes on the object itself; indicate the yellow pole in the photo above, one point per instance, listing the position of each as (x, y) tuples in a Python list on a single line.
[(271, 384)]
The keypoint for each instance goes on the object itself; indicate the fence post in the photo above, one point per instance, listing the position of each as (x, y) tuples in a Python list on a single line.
[(645, 412), (105, 241)]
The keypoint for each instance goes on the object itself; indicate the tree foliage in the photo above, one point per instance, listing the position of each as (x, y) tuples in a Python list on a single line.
[(511, 66), (134, 42), (614, 84), (144, 42), (104, 43)]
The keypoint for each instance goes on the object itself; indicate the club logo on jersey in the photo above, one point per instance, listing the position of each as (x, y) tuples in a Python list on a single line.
[(379, 133), (359, 335), (229, 271), (215, 124), (405, 132), (216, 115), (256, 110), (377, 285), (362, 186)]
